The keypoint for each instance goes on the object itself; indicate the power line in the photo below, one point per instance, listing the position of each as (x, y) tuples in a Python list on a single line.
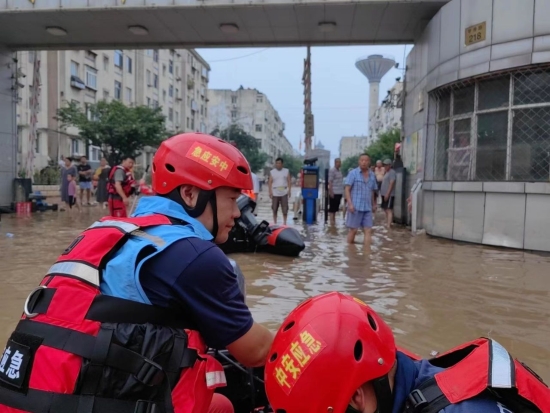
[(239, 57)]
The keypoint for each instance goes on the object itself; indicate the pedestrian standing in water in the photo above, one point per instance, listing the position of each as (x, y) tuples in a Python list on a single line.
[(66, 169), (71, 191), (102, 177), (280, 188), (360, 189), (335, 189), (387, 191), (85, 179)]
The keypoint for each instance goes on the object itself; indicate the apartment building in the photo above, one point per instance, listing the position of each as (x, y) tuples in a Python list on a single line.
[(352, 145), (251, 110), (174, 79), (388, 115)]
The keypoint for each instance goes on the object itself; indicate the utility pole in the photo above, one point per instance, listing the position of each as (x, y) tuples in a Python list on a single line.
[(308, 115)]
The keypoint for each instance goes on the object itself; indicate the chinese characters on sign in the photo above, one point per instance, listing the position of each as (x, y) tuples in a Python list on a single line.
[(475, 34), (210, 158), (303, 349)]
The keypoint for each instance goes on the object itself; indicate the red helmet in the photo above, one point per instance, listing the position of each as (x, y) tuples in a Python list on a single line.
[(325, 350), (200, 160)]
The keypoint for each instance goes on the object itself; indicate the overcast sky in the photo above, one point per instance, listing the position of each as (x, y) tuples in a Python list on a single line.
[(340, 93)]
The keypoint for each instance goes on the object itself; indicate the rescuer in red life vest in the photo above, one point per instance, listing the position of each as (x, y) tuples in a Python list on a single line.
[(123, 320), (334, 354), (120, 186)]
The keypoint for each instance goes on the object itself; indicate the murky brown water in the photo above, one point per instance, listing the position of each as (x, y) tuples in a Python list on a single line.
[(434, 293)]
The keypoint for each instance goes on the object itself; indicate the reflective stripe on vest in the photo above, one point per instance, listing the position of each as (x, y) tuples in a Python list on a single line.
[(501, 367), (126, 227), (76, 269)]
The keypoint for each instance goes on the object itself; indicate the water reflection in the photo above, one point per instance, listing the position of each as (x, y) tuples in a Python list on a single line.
[(434, 293)]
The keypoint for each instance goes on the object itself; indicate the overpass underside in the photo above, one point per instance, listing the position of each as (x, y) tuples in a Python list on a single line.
[(97, 24)]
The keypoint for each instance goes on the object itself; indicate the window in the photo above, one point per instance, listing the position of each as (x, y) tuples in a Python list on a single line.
[(233, 114), (177, 118), (75, 68), (91, 77), (177, 93), (149, 52), (233, 99), (202, 110), (258, 128), (155, 56), (164, 95), (106, 63), (149, 102), (171, 91), (91, 56), (495, 128), (118, 90), (171, 115), (75, 147), (155, 104), (203, 127), (171, 67), (193, 123), (148, 77), (105, 95), (129, 64), (89, 114), (118, 58), (95, 153), (259, 99), (187, 122), (155, 81), (128, 95), (163, 69)]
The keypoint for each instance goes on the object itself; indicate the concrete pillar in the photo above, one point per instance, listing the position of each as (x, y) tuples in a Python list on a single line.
[(8, 126)]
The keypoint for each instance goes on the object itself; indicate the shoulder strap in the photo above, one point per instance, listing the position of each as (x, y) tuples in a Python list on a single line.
[(427, 398)]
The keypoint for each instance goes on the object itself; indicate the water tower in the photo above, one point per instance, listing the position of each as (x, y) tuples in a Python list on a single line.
[(374, 67)]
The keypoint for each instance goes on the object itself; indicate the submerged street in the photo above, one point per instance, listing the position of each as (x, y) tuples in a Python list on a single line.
[(434, 293)]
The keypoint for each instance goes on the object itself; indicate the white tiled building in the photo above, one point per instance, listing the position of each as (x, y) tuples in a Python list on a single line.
[(176, 80), (352, 145), (388, 115), (253, 111)]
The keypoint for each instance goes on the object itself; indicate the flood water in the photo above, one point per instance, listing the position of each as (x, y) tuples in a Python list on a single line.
[(434, 293)]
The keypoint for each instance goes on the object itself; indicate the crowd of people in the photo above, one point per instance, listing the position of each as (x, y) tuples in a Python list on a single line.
[(111, 187), (123, 320)]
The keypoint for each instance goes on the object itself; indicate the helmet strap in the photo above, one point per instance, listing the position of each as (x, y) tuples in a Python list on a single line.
[(203, 199), (384, 396)]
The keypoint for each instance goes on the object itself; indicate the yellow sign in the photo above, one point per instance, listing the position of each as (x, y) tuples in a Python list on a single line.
[(32, 1), (210, 158), (475, 34), (297, 357)]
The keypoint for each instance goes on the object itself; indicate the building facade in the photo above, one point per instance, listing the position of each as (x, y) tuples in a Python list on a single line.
[(176, 80), (352, 145), (477, 123), (387, 116), (323, 157), (253, 112)]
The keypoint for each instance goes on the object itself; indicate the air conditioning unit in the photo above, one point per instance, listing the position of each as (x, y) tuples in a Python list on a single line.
[(178, 79)]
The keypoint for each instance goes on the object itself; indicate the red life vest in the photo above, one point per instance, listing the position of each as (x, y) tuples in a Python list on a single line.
[(481, 367), (77, 350), (127, 184)]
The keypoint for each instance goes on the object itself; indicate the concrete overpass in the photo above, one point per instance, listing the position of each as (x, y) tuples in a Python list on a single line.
[(140, 24), (96, 24)]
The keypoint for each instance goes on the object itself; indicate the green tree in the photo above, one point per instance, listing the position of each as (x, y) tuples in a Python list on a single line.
[(351, 162), (117, 129), (246, 143), (384, 146), (293, 163)]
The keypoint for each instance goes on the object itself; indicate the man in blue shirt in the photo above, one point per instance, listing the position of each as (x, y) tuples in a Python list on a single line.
[(335, 354), (360, 193)]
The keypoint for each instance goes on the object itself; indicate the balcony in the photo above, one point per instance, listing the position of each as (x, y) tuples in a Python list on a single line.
[(77, 83)]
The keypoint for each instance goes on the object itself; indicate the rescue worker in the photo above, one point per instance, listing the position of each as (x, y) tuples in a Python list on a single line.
[(334, 354), (121, 186), (122, 321)]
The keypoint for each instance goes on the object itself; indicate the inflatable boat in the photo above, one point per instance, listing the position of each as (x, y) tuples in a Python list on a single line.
[(249, 235)]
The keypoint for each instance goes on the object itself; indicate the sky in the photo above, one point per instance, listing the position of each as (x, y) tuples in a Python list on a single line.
[(340, 93)]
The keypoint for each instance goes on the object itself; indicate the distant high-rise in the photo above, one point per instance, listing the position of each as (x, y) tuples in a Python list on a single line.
[(374, 67)]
